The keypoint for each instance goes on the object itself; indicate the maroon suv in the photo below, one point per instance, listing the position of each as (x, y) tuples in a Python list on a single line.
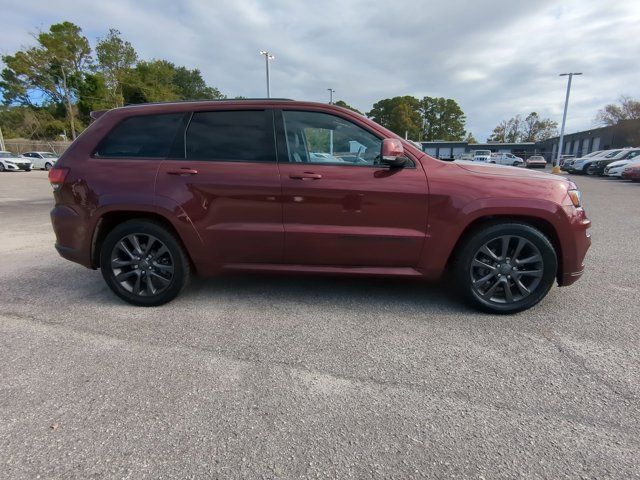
[(151, 193)]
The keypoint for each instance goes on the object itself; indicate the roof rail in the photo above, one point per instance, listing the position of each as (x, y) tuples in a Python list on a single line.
[(212, 100)]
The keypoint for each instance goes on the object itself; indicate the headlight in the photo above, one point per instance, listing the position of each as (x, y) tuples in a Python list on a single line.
[(576, 197)]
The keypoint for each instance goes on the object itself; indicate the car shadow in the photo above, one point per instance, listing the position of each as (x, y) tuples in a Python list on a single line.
[(364, 293), (80, 286)]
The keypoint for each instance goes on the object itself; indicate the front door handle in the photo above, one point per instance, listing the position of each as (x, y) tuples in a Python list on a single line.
[(183, 171), (305, 176)]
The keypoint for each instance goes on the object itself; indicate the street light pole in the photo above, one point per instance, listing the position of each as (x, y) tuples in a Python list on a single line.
[(556, 163), (267, 57), (331, 92)]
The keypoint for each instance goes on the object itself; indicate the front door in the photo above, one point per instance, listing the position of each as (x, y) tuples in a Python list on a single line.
[(341, 205), (228, 185)]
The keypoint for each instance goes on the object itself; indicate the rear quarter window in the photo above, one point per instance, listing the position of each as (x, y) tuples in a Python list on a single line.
[(144, 136)]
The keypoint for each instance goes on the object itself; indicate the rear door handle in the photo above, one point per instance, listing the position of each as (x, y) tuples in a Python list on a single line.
[(305, 176), (183, 171)]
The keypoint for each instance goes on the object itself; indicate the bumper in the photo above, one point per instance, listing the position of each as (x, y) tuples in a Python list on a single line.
[(73, 241), (613, 173), (631, 175), (576, 248), (536, 165)]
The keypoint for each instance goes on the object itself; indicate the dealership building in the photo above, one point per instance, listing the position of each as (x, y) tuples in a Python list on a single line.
[(624, 134)]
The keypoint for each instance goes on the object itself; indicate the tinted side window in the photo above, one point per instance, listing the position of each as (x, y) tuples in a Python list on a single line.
[(240, 136), (148, 136), (314, 137)]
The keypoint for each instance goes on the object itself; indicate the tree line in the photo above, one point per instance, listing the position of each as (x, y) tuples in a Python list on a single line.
[(49, 90)]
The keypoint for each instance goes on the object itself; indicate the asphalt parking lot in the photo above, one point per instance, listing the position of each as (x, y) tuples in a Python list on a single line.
[(303, 377)]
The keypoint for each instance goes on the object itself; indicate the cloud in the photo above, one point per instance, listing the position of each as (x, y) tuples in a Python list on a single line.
[(497, 58)]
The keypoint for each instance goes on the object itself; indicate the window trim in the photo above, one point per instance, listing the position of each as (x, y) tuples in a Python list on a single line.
[(284, 151), (266, 111)]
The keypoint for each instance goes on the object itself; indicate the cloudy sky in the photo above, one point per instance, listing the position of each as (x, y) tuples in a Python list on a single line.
[(497, 58)]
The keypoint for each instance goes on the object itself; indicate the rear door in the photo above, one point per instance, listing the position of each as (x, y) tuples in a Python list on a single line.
[(341, 206), (226, 183)]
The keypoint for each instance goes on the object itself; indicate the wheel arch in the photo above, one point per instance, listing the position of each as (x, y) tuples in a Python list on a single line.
[(109, 220), (538, 223)]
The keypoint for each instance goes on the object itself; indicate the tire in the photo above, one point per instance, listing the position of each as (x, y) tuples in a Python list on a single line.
[(504, 273), (168, 273), (27, 169), (515, 164), (1, 167), (48, 166)]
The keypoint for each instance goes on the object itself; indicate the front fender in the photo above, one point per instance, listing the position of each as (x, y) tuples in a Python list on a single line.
[(446, 228)]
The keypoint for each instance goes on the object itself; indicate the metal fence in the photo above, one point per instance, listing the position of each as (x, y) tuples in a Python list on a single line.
[(23, 145)]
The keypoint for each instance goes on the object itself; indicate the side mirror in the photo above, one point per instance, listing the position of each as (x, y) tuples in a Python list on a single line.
[(393, 153)]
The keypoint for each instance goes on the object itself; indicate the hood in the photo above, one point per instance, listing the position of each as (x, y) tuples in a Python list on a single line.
[(505, 171)]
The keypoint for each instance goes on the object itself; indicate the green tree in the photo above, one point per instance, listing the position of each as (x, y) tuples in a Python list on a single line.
[(93, 94), (53, 68), (531, 129), (116, 57), (470, 138), (343, 104), (536, 129), (151, 82), (399, 114), (191, 86), (626, 109), (443, 119)]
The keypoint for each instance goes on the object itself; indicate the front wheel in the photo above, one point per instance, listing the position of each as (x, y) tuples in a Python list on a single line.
[(506, 268), (1, 167), (144, 263)]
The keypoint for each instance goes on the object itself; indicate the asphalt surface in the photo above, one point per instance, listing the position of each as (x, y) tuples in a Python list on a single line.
[(302, 377)]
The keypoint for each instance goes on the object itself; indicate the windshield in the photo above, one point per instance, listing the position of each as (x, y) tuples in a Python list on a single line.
[(593, 154), (612, 154), (5, 155), (49, 155), (482, 152)]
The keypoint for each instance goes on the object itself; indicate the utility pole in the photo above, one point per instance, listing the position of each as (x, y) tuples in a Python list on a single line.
[(556, 162), (331, 92), (267, 57)]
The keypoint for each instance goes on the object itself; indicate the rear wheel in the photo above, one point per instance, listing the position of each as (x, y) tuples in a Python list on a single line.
[(143, 263), (47, 166), (506, 268)]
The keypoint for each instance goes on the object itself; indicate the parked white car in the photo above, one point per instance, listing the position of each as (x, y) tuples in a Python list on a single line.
[(42, 160), (614, 169), (481, 155), (12, 163), (506, 159)]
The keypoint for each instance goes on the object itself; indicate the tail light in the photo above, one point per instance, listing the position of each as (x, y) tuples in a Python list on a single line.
[(57, 176)]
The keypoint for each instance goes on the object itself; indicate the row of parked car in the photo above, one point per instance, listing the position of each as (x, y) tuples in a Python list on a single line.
[(504, 158), (616, 163), (10, 162)]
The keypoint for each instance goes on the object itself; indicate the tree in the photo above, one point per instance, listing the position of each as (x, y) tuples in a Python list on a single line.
[(53, 68), (343, 104), (191, 85), (116, 58), (626, 109), (470, 138), (536, 129), (443, 119), (531, 129), (399, 114)]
